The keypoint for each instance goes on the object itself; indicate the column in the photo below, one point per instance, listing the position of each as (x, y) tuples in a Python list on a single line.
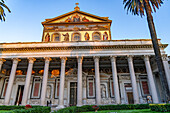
[(167, 69), (139, 90), (62, 80), (115, 80), (44, 83), (2, 79), (27, 81), (97, 81), (133, 80), (151, 80), (11, 81), (1, 62), (80, 82)]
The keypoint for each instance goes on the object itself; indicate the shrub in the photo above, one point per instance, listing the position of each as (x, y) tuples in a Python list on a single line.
[(160, 107), (86, 108)]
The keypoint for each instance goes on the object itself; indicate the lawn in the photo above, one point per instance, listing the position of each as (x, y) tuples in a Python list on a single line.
[(126, 111)]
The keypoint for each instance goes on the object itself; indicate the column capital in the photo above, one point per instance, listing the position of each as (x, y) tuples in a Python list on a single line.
[(47, 58), (16, 60), (31, 60), (146, 57), (164, 57), (79, 59), (2, 60), (130, 58), (113, 58), (96, 58), (63, 59)]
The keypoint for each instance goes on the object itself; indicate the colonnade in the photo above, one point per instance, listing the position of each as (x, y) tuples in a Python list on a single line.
[(79, 80)]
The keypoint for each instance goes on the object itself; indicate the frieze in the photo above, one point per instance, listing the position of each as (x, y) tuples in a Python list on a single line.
[(78, 48)]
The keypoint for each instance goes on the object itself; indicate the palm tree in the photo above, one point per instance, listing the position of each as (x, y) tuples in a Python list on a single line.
[(140, 7), (2, 12)]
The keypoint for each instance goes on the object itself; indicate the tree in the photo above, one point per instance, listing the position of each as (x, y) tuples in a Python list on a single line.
[(2, 12), (140, 7)]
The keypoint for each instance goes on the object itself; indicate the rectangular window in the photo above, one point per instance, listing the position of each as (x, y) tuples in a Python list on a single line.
[(145, 87), (4, 88), (90, 88), (36, 88), (57, 88)]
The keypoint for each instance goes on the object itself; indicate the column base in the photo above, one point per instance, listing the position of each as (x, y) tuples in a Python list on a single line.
[(79, 105), (60, 106)]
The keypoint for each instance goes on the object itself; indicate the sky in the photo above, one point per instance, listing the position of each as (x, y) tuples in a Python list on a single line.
[(23, 24)]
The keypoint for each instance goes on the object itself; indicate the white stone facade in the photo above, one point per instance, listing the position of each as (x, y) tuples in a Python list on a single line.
[(82, 72)]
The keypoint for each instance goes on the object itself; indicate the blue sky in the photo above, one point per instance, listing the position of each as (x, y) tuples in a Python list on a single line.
[(24, 23)]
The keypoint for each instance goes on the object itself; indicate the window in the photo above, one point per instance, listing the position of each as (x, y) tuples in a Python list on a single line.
[(145, 88), (76, 37), (96, 36), (36, 88), (57, 87), (5, 85), (56, 37), (90, 88)]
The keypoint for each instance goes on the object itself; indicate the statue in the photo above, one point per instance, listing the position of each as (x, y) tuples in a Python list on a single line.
[(48, 94), (47, 37), (66, 37), (86, 36), (105, 36), (103, 91)]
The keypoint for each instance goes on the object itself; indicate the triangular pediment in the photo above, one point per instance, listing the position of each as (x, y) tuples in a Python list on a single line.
[(76, 17)]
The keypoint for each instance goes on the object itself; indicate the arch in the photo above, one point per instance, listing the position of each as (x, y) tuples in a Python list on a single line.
[(56, 37), (96, 36), (76, 37)]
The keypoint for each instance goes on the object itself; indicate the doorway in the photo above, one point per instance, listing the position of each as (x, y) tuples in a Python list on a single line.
[(73, 93), (19, 94), (130, 97)]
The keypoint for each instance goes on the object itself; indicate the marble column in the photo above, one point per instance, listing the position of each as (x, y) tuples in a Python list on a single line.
[(1, 63), (115, 80), (80, 82), (133, 80), (27, 81), (167, 69), (62, 80), (97, 81), (11, 81), (151, 80), (139, 90), (44, 83)]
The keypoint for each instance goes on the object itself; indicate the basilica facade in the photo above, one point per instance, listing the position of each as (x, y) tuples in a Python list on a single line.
[(77, 63)]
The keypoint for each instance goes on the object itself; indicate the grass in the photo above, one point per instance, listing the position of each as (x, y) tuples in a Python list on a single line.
[(125, 111)]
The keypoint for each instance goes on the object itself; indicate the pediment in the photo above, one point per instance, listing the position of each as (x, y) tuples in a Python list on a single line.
[(76, 17)]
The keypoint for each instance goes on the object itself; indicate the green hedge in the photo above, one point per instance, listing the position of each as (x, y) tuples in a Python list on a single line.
[(86, 108), (160, 107), (21, 109), (33, 110)]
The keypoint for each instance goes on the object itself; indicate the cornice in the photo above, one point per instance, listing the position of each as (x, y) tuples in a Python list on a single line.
[(112, 47)]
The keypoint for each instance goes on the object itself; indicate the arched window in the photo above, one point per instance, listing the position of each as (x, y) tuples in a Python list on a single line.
[(96, 36), (56, 37), (76, 37)]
